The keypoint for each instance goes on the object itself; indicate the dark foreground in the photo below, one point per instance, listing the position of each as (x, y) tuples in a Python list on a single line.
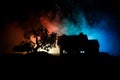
[(44, 58)]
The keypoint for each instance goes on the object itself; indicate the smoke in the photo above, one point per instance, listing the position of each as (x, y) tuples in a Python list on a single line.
[(68, 17), (98, 28), (97, 25)]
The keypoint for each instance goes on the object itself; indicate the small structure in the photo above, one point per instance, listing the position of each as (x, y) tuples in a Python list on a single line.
[(77, 44)]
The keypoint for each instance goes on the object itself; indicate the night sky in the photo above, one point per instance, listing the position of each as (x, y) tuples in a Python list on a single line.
[(99, 19)]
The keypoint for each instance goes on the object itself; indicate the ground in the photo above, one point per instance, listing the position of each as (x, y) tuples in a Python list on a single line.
[(44, 58)]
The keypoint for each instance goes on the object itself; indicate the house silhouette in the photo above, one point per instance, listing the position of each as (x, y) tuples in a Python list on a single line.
[(78, 44)]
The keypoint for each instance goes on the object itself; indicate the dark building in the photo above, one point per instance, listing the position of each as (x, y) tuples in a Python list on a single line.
[(78, 44)]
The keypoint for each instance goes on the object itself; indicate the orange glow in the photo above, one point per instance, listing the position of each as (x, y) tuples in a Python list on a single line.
[(52, 26), (13, 35), (15, 31), (33, 38)]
